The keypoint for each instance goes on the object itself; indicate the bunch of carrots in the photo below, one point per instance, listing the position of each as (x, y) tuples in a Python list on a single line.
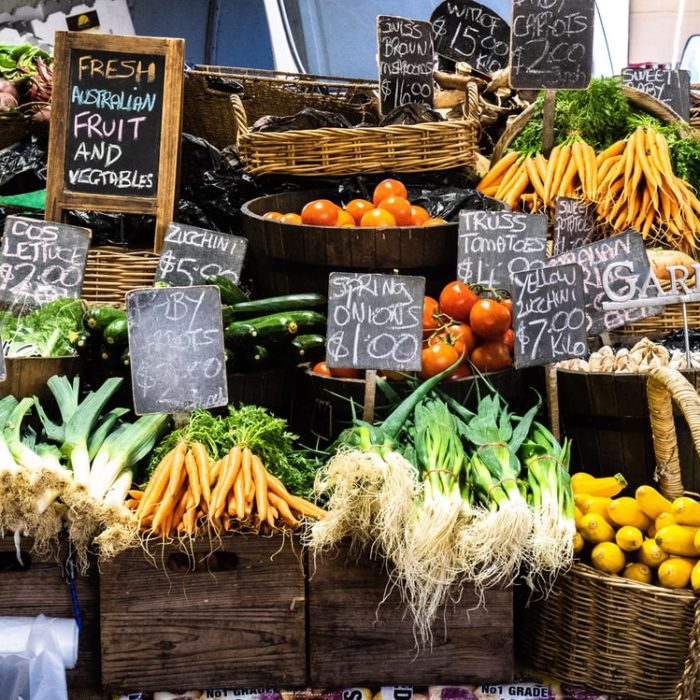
[(189, 492), (631, 183)]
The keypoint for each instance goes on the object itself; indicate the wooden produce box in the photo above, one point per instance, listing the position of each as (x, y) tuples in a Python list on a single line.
[(356, 639), (40, 589), (237, 620)]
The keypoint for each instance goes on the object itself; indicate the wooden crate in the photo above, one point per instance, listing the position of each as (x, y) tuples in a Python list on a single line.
[(353, 640), (40, 588), (237, 620)]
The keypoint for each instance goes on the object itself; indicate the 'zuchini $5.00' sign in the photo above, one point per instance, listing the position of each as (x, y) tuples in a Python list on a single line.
[(375, 321)]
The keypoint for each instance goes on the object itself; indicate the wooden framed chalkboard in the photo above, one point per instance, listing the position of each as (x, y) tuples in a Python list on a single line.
[(191, 254), (574, 224), (468, 31), (551, 44), (116, 118), (672, 87), (405, 59)]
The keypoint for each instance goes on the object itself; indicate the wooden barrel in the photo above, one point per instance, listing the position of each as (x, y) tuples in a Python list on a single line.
[(291, 258), (274, 389), (607, 417), (27, 376)]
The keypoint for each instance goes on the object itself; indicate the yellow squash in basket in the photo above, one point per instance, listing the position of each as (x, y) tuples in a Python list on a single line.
[(594, 528), (636, 571), (686, 511), (629, 538), (597, 486), (608, 557), (595, 504), (675, 572), (626, 511), (651, 554), (677, 540), (652, 503)]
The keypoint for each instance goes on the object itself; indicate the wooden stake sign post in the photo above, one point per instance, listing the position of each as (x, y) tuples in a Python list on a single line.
[(116, 118), (374, 322)]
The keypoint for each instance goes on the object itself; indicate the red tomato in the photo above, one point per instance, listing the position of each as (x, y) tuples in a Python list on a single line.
[(418, 215), (491, 356), (345, 373), (321, 368), (399, 208), (456, 300), (430, 309), (461, 372), (462, 337), (388, 188), (436, 358), (489, 319), (357, 208), (509, 339), (508, 303), (320, 212)]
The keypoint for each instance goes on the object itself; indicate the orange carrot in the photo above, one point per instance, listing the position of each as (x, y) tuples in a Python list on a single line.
[(177, 465), (260, 479), (193, 477), (498, 170), (202, 459)]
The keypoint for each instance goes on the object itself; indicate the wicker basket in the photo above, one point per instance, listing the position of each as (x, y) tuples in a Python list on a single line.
[(615, 635), (334, 151), (208, 111), (111, 272)]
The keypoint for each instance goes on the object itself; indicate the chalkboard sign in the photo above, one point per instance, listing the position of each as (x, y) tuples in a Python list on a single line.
[(549, 322), (471, 33), (493, 245), (405, 62), (116, 117), (176, 349), (672, 87), (626, 248), (191, 254), (41, 261), (375, 321), (551, 44), (574, 224)]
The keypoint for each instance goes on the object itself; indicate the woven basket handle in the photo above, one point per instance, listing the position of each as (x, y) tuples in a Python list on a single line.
[(240, 117), (470, 106), (664, 387)]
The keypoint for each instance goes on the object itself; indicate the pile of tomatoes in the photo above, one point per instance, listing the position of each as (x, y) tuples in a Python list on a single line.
[(462, 324), (389, 207)]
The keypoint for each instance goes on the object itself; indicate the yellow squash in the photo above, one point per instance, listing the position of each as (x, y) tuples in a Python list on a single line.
[(686, 511), (663, 520), (595, 504), (608, 557), (626, 511), (678, 540), (594, 528), (651, 554), (695, 577), (652, 502), (675, 572), (597, 486), (637, 572), (579, 542), (629, 538)]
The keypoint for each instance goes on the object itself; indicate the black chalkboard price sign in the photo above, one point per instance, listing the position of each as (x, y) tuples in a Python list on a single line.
[(472, 33), (405, 62), (176, 348), (191, 254), (574, 224), (672, 87), (494, 245), (375, 321), (41, 261), (551, 44), (116, 117), (619, 262), (549, 321)]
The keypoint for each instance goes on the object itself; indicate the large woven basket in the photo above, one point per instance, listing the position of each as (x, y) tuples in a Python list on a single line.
[(208, 111), (111, 272), (612, 634), (335, 151)]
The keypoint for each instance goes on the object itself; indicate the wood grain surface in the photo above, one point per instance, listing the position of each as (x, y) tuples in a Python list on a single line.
[(238, 620), (355, 640)]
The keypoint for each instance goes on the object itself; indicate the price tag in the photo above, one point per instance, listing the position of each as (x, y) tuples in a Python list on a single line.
[(41, 261), (375, 321), (672, 87), (176, 349), (549, 321), (191, 254), (494, 245), (574, 224)]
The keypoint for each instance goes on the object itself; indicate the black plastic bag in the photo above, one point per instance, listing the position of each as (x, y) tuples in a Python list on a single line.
[(22, 167)]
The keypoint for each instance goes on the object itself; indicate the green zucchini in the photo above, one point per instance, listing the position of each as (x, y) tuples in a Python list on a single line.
[(227, 314), (255, 357), (117, 332), (271, 305), (239, 333), (281, 327), (98, 318), (304, 348), (125, 358), (231, 293)]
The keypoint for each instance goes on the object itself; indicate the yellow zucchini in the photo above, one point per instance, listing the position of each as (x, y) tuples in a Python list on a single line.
[(596, 504), (637, 571), (651, 554), (598, 486), (629, 538), (695, 577), (594, 528), (678, 540), (578, 542), (652, 502), (626, 511), (578, 514), (675, 572), (663, 520), (686, 511), (608, 557)]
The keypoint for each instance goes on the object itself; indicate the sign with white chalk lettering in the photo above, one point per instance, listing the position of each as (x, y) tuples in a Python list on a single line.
[(176, 349), (549, 321), (672, 87), (469, 32), (574, 224), (191, 254), (375, 321), (492, 245), (618, 263), (405, 62), (41, 261), (551, 44)]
